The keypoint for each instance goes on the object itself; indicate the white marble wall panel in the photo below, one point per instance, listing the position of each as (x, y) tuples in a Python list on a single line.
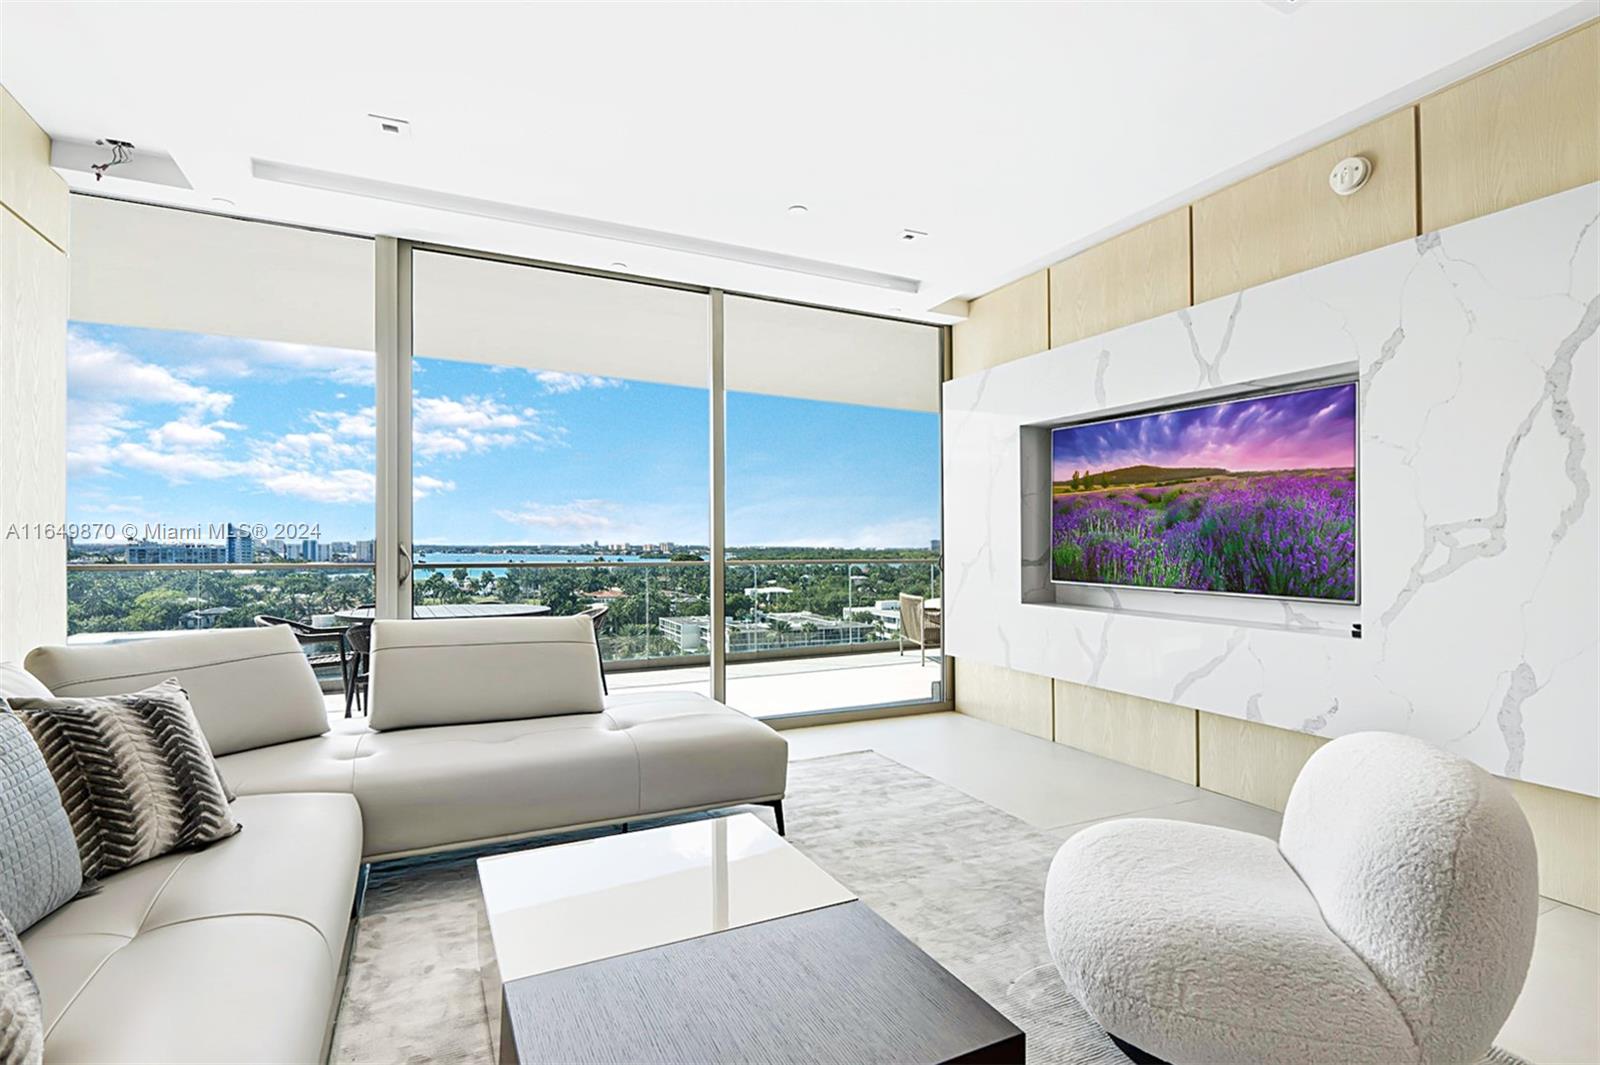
[(1479, 439)]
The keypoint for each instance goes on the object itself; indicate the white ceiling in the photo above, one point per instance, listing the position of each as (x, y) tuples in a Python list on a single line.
[(1011, 133)]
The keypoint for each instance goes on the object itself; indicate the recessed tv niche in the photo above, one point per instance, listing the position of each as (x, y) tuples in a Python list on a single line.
[(1252, 496)]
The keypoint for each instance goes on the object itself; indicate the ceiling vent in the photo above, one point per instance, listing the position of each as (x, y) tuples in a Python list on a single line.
[(385, 126)]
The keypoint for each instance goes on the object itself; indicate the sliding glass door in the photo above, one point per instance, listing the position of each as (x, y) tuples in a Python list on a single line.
[(559, 458), (833, 510)]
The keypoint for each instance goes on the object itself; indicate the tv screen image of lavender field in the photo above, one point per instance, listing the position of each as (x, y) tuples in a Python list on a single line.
[(1251, 496)]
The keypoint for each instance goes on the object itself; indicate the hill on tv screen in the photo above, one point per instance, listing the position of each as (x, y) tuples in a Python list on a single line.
[(1251, 496)]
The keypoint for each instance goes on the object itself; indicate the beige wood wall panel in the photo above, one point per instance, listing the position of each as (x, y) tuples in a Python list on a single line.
[(1251, 761), (1006, 697), (1007, 324), (1566, 828), (28, 187), (1517, 132), (1152, 735), (1286, 219), (33, 462), (1139, 274)]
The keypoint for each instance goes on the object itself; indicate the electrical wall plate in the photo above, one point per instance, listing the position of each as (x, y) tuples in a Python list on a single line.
[(1350, 174)]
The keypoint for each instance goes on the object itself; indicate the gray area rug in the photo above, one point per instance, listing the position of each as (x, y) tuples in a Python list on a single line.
[(961, 878)]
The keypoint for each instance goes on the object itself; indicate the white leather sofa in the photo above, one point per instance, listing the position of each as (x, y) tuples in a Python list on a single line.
[(481, 730)]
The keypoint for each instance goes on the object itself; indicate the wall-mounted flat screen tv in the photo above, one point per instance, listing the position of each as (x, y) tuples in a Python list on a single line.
[(1252, 496)]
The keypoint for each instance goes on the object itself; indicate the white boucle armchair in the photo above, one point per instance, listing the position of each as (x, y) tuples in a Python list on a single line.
[(1392, 922)]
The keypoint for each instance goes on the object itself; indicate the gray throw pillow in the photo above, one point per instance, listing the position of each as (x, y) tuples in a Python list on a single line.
[(135, 774), (21, 1015), (39, 866)]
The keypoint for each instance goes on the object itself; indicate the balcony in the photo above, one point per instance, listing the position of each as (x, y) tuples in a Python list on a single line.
[(803, 635)]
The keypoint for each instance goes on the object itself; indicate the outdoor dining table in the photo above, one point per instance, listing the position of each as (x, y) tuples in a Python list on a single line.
[(454, 610)]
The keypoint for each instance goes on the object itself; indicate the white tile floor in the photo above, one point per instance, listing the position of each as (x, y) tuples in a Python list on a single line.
[(1061, 790), (800, 685)]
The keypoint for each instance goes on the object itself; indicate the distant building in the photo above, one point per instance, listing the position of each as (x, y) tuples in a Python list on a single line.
[(798, 628), (170, 554), (933, 545), (206, 618), (311, 551), (366, 550), (241, 546)]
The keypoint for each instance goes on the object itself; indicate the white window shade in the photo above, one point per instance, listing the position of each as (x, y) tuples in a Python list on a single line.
[(161, 268), (484, 310), (781, 349)]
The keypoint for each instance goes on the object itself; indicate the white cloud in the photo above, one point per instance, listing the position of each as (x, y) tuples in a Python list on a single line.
[(561, 383), (442, 426), (321, 486), (234, 357), (609, 521), (103, 372), (422, 486), (187, 433), (589, 516)]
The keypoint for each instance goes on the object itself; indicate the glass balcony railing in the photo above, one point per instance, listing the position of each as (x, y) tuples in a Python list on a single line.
[(658, 611)]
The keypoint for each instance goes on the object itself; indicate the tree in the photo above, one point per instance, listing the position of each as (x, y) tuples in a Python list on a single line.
[(1076, 481)]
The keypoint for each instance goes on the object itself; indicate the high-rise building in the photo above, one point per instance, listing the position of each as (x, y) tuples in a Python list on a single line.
[(366, 550), (309, 551), (241, 546), (167, 554)]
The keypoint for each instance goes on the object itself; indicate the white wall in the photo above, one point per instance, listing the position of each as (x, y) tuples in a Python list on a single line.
[(1476, 348), (33, 387)]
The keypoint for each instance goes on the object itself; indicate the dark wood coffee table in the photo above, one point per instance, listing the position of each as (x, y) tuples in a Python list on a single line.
[(713, 941)]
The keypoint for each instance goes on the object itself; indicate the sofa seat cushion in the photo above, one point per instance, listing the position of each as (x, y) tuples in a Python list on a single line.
[(225, 954), (1199, 943), (694, 751), (430, 788), (426, 788), (321, 763)]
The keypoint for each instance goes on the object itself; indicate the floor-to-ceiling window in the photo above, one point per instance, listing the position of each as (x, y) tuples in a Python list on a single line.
[(560, 456), (220, 430), (231, 405)]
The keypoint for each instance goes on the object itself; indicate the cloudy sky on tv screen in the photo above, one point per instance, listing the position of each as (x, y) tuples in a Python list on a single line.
[(1252, 496)]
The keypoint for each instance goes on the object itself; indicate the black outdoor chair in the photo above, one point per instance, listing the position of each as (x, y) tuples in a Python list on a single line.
[(596, 613), (359, 638), (310, 636)]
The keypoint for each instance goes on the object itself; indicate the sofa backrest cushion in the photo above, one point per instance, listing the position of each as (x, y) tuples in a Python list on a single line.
[(16, 681), (249, 687), (1424, 865), (456, 671)]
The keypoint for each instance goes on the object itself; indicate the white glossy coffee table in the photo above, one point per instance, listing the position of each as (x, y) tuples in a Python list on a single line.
[(711, 940)]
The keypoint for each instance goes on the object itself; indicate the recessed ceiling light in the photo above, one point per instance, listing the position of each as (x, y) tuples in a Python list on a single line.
[(798, 208), (894, 310), (223, 201), (619, 266)]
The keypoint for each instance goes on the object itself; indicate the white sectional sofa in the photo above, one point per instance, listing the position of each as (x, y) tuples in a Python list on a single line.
[(481, 730)]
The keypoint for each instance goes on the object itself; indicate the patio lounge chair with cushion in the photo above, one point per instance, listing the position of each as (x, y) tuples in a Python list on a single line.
[(917, 624)]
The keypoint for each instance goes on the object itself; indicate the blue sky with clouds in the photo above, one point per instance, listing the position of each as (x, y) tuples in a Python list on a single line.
[(188, 429)]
